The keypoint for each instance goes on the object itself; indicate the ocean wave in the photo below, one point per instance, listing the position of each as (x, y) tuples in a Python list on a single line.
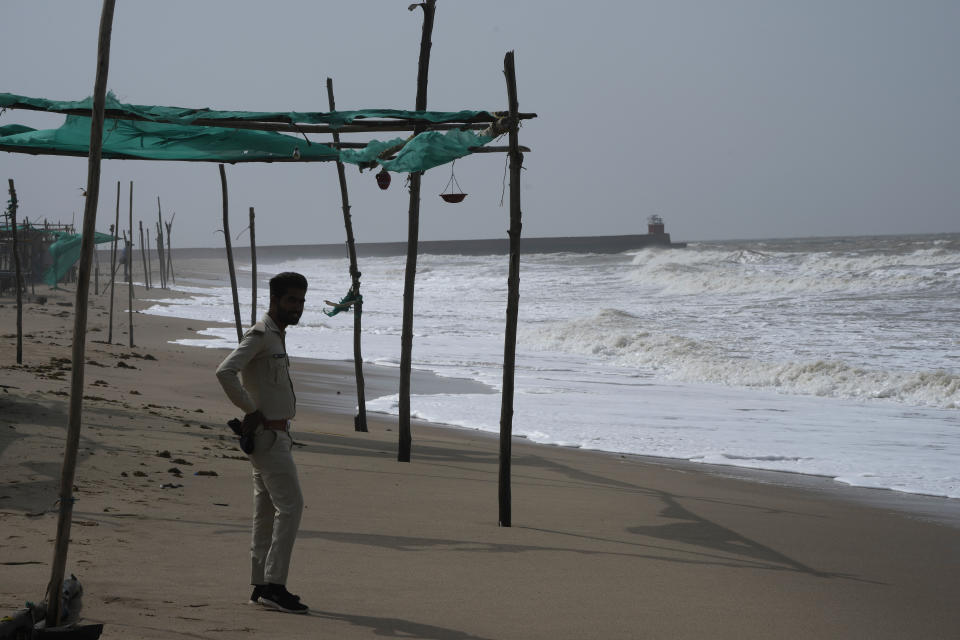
[(710, 270), (612, 336)]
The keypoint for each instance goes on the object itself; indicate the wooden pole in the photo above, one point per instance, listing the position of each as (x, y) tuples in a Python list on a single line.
[(149, 260), (160, 254), (19, 273), (226, 236), (513, 298), (480, 121), (169, 226), (253, 266), (130, 268), (360, 420), (413, 232), (113, 265), (55, 587), (143, 253)]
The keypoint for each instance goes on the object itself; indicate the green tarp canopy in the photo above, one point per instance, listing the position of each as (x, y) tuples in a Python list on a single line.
[(186, 115), (65, 252), (129, 139)]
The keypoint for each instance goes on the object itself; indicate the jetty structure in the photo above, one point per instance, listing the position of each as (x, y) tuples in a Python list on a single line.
[(656, 238)]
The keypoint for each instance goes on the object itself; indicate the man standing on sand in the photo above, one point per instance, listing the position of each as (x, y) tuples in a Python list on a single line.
[(266, 397)]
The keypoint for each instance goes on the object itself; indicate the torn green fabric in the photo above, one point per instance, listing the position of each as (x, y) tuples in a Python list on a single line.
[(434, 148), (126, 140), (345, 303), (65, 252), (186, 115)]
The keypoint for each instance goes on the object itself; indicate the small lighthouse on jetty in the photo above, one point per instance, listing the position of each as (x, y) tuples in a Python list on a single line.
[(655, 225), (657, 235)]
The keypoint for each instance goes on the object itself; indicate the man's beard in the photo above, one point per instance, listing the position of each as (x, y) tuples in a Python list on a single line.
[(289, 317)]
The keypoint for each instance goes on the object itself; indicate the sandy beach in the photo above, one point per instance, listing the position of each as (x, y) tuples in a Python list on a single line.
[(603, 546)]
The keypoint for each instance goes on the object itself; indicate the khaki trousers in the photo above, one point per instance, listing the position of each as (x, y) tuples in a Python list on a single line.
[(277, 506)]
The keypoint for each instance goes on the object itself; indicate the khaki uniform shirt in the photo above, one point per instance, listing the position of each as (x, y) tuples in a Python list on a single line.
[(262, 362)]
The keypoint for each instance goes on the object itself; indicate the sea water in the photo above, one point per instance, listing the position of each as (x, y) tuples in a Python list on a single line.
[(836, 357)]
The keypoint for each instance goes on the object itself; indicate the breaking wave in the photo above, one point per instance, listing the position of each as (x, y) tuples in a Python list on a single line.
[(612, 336), (751, 271)]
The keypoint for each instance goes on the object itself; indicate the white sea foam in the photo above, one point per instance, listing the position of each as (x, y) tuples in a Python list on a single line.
[(614, 336), (833, 357)]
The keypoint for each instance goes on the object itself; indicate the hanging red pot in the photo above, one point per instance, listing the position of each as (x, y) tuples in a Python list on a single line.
[(383, 179)]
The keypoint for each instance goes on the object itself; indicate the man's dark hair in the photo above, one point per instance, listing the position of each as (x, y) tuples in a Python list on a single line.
[(280, 283)]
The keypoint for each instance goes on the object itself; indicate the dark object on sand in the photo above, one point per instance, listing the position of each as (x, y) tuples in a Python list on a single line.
[(246, 439), (30, 623), (19, 625), (71, 632)]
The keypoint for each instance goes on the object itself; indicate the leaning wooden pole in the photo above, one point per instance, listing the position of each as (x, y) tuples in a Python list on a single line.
[(413, 232), (360, 420), (130, 268), (253, 267), (513, 297), (113, 264), (19, 273), (160, 253), (55, 587), (159, 239), (226, 236), (149, 261), (169, 226), (143, 253)]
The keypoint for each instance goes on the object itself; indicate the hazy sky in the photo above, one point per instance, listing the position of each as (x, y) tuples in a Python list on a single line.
[(730, 118)]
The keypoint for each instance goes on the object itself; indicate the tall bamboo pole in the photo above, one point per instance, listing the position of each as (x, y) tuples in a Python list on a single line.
[(253, 266), (55, 587), (360, 420), (130, 268), (113, 264), (19, 273), (144, 246), (413, 232), (513, 297), (226, 237)]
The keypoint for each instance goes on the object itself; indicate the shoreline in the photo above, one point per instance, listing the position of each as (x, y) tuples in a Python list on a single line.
[(940, 509), (602, 544), (382, 380)]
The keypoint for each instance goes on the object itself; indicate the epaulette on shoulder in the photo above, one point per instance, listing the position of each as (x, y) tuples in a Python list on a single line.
[(257, 329)]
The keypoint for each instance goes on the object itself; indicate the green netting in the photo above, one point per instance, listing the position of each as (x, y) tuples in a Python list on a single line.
[(11, 129), (186, 115), (345, 303), (433, 148), (65, 252), (126, 139), (173, 139)]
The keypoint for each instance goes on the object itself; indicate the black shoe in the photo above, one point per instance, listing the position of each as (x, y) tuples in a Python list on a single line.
[(257, 592), (277, 597)]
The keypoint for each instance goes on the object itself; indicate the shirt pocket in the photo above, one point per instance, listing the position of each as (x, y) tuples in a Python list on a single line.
[(279, 368)]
